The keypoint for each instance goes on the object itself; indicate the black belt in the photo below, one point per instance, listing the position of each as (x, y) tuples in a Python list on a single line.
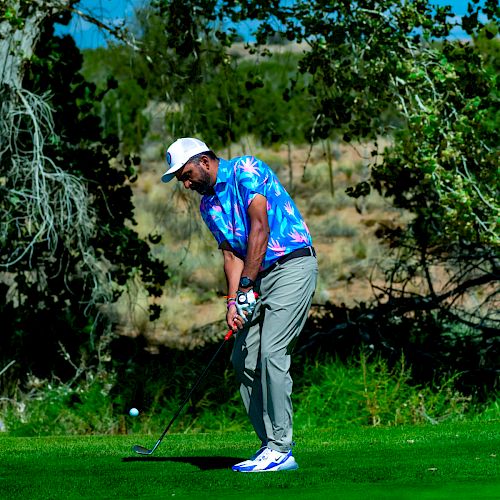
[(300, 252)]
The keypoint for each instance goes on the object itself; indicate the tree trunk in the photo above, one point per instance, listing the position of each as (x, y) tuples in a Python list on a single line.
[(19, 34), (52, 205)]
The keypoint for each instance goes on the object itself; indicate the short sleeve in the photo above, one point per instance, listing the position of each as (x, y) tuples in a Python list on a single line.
[(252, 177)]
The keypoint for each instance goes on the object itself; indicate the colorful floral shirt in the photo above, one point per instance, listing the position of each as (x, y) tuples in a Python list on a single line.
[(225, 212)]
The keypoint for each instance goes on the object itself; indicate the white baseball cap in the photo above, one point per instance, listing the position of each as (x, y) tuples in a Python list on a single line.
[(180, 152)]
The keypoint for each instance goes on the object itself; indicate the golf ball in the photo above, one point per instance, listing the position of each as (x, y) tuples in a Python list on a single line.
[(133, 412)]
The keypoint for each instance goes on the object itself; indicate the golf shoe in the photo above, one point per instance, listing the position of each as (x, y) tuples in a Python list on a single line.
[(267, 460)]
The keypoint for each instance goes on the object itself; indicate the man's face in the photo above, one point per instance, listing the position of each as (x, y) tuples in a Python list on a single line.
[(196, 178)]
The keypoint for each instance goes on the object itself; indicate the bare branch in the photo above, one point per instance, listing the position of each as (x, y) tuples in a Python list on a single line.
[(117, 32), (47, 204), (5, 368)]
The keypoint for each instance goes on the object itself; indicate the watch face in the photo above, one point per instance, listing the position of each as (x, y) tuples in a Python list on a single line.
[(241, 299), (245, 282)]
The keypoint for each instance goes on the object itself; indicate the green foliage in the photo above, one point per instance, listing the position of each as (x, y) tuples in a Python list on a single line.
[(189, 53), (15, 12), (444, 166), (488, 44), (369, 392), (50, 296), (276, 114), (329, 393), (435, 344), (52, 409), (210, 93), (244, 98), (178, 61), (213, 110), (122, 95)]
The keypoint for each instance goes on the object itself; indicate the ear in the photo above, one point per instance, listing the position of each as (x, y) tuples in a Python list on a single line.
[(205, 161)]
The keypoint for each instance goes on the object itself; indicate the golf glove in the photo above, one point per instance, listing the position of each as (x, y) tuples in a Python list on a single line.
[(245, 303)]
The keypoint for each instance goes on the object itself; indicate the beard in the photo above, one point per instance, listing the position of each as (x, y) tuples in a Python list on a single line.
[(204, 185)]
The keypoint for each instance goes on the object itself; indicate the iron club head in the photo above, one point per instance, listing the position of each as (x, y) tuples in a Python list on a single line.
[(141, 450)]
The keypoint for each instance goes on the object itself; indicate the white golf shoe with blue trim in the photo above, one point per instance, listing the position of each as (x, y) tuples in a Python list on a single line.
[(267, 460)]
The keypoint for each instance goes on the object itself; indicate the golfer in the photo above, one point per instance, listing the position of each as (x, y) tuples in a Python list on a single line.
[(268, 254)]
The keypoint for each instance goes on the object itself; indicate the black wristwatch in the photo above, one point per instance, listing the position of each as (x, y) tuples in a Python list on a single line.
[(246, 282)]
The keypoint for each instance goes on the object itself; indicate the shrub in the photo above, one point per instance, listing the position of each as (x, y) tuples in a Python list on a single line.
[(54, 408), (364, 391), (368, 392), (333, 227), (320, 204)]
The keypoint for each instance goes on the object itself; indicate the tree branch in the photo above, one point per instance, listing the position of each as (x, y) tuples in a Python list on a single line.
[(116, 32)]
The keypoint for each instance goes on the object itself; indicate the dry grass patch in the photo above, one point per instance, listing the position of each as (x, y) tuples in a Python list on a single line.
[(342, 228)]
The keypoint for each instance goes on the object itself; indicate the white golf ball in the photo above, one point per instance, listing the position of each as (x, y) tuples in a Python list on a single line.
[(133, 412)]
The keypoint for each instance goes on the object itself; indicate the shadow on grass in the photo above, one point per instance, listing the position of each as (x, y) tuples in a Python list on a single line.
[(203, 463)]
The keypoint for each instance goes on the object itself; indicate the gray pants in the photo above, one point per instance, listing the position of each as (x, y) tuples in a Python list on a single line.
[(261, 353)]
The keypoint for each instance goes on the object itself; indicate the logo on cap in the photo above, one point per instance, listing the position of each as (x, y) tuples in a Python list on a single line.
[(169, 158)]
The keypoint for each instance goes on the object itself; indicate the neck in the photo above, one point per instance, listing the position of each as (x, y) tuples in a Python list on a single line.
[(214, 168)]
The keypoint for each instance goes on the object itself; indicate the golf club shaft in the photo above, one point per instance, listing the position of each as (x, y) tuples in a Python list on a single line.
[(195, 385)]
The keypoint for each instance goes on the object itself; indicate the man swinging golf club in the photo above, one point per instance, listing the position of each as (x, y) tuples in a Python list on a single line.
[(268, 253)]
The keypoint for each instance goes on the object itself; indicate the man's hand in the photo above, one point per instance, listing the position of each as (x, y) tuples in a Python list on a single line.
[(245, 303)]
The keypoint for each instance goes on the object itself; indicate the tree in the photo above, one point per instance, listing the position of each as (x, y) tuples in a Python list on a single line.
[(376, 58), (67, 246), (196, 73), (380, 68), (20, 23), (368, 58), (442, 167)]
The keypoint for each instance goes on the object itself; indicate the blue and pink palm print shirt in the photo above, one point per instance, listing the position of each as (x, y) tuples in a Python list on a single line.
[(225, 212)]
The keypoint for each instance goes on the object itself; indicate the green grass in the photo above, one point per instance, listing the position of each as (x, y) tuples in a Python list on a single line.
[(454, 461)]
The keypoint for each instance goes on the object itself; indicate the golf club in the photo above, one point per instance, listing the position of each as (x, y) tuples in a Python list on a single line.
[(141, 450)]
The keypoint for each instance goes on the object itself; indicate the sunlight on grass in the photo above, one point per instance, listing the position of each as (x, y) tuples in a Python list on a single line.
[(381, 463)]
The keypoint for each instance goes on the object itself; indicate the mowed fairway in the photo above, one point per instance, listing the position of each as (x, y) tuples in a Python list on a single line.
[(447, 461)]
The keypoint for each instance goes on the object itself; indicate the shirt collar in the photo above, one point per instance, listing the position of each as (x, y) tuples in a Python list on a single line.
[(223, 172), (223, 177)]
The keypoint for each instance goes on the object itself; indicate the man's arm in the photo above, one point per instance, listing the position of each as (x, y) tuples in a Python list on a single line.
[(233, 266), (258, 237)]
